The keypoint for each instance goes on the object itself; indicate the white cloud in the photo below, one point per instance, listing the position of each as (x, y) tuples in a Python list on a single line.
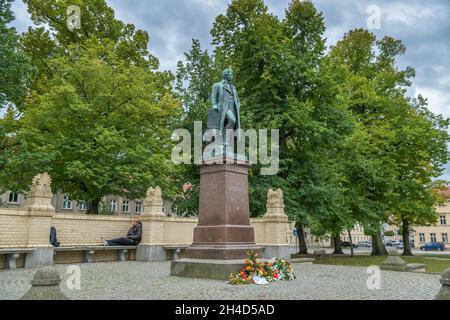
[(171, 53), (210, 3), (410, 15), (438, 100), (444, 81), (22, 20)]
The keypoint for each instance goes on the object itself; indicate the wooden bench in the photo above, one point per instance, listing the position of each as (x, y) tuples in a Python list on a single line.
[(13, 254), (88, 251), (322, 254), (175, 250)]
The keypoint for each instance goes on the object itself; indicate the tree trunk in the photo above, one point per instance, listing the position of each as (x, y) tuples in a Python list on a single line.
[(352, 252), (378, 248), (405, 235), (302, 248), (92, 206), (337, 245)]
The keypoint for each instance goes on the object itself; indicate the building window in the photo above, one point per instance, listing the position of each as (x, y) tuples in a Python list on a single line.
[(13, 197), (67, 203), (445, 237), (443, 220), (113, 206), (421, 237), (82, 205), (126, 206), (433, 237), (139, 207)]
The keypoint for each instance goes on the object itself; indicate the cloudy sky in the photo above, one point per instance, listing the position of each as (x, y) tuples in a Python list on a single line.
[(424, 26)]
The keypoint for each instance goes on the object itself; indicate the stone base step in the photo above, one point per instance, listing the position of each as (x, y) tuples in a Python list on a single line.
[(205, 268), (410, 267)]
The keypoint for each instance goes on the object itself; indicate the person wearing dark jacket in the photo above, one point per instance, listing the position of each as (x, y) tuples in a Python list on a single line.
[(53, 240), (132, 238)]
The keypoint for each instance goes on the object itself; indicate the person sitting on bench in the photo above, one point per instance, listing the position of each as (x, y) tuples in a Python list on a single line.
[(133, 236)]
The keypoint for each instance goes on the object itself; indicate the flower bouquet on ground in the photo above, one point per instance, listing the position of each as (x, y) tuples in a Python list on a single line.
[(254, 272)]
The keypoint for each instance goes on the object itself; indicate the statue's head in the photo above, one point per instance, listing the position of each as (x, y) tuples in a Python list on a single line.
[(228, 75)]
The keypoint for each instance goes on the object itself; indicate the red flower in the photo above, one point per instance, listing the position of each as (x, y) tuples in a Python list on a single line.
[(275, 276)]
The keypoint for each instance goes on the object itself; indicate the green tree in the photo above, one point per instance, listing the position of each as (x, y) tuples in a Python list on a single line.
[(98, 126), (420, 154), (51, 36), (15, 69), (99, 116), (15, 74), (389, 159), (285, 85)]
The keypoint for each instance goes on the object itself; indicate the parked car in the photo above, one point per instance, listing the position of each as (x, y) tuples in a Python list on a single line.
[(347, 244), (433, 246), (392, 243), (400, 244), (365, 244)]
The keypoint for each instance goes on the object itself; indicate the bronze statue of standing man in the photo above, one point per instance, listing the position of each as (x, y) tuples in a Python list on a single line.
[(225, 102)]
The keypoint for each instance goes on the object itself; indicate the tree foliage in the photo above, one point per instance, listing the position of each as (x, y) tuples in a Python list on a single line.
[(355, 149), (99, 116), (15, 69)]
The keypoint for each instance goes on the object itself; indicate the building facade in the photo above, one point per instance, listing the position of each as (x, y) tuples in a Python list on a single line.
[(439, 232), (325, 241), (62, 203)]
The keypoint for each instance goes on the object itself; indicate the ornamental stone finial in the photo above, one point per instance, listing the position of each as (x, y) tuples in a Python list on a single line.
[(275, 203), (39, 198), (153, 203), (45, 285)]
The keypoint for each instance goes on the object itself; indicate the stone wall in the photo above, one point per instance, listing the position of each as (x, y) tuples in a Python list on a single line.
[(179, 230), (29, 227), (19, 229), (82, 229), (13, 228)]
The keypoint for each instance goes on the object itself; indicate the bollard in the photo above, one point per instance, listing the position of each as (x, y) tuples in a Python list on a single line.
[(45, 286), (444, 293)]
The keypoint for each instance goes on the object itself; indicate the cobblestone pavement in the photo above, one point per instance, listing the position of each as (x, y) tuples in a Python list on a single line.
[(151, 280)]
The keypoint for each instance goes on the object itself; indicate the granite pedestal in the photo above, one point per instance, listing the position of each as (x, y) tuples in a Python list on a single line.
[(223, 235)]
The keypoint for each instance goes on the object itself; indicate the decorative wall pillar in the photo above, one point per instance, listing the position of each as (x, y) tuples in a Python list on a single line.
[(153, 217), (40, 212), (276, 226)]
